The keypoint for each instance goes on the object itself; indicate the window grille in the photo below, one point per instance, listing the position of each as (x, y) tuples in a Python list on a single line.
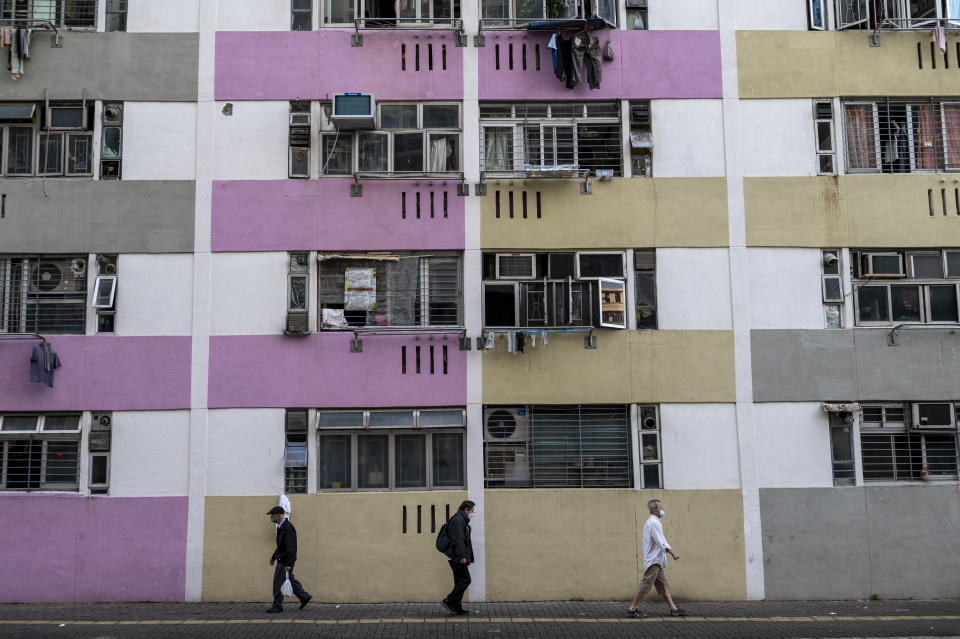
[(301, 15), (407, 290), (499, 14), (651, 456), (550, 140), (891, 14), (559, 447), (902, 136), (116, 15), (295, 452), (895, 287), (43, 294), (373, 14), (645, 274), (39, 451), (893, 452), (28, 147), (420, 449), (76, 14)]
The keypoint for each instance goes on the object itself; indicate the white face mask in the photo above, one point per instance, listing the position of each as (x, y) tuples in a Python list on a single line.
[(470, 516)]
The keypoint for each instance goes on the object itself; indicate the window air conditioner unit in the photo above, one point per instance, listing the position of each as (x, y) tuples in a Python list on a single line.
[(505, 424), (883, 265), (297, 324), (516, 266), (354, 111), (929, 416), (58, 276), (67, 117)]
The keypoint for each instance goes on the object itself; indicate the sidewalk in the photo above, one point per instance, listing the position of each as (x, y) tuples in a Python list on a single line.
[(546, 620)]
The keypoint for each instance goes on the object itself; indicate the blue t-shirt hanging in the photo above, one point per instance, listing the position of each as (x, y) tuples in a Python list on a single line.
[(43, 362)]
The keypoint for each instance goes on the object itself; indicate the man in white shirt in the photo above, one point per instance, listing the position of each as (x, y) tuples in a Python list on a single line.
[(655, 549)]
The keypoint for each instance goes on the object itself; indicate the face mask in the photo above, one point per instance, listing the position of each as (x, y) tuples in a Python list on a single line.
[(663, 512), (470, 516)]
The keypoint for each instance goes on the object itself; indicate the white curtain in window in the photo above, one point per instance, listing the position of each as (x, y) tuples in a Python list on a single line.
[(439, 152), (497, 149), (953, 11)]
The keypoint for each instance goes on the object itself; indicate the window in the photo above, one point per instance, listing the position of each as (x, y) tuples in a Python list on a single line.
[(651, 461), (519, 13), (871, 14), (39, 451), (832, 288), (637, 14), (301, 15), (75, 14), (641, 140), (537, 139), (46, 142), (893, 287), (841, 448), (116, 15), (554, 290), (298, 165), (389, 290), (645, 285), (823, 125), (44, 294), (295, 452), (391, 449), (411, 138), (111, 141), (902, 136), (391, 13), (557, 447), (896, 447)]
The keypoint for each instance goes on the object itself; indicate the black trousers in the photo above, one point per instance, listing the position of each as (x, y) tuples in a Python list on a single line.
[(461, 581), (279, 576)]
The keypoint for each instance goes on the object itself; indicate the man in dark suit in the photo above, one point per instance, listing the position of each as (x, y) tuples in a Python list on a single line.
[(460, 555), (285, 556)]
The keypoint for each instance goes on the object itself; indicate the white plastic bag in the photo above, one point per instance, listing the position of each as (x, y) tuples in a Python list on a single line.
[(287, 588)]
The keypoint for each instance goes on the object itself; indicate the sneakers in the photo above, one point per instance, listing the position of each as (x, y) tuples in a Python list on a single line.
[(636, 614), (449, 606), (678, 612), (275, 610), (305, 601)]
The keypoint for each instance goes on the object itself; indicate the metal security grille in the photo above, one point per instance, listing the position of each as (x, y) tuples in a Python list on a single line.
[(558, 447), (409, 290), (60, 13), (43, 294), (39, 452), (903, 456), (902, 136), (550, 140)]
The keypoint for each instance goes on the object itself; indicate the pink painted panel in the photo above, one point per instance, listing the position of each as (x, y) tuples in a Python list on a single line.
[(319, 370), (288, 215), (282, 65), (100, 372), (647, 64), (69, 548)]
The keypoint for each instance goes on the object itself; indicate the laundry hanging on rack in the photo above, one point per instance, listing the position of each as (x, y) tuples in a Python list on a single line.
[(572, 57), (43, 362), (940, 38), (17, 42)]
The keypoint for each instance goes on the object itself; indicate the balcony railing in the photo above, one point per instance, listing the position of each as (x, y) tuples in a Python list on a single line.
[(53, 14)]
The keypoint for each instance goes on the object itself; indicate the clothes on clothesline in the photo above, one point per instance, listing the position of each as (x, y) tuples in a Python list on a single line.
[(17, 42), (43, 362), (571, 57), (940, 37)]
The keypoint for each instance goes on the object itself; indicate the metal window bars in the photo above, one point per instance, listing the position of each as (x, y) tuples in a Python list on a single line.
[(43, 294), (553, 15), (904, 456), (877, 15), (52, 15), (39, 451), (902, 135), (568, 140)]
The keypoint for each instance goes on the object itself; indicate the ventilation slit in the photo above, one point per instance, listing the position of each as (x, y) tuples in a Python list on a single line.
[(523, 200), (933, 55), (403, 360), (419, 517), (444, 359), (418, 205), (403, 205), (404, 525), (418, 360), (943, 198), (523, 56), (497, 200), (433, 518), (432, 193), (445, 198), (430, 56), (496, 53), (930, 200), (536, 55), (403, 57), (510, 199), (448, 514), (956, 199), (538, 206), (416, 49), (432, 368), (510, 56), (919, 55), (443, 56)]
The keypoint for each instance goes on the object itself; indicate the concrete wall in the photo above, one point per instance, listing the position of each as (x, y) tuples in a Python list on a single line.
[(693, 289), (246, 448), (340, 537), (771, 14), (168, 16), (85, 549), (856, 364), (780, 138), (785, 288), (252, 15), (793, 445), (683, 14), (848, 543), (699, 446), (91, 216), (687, 137), (159, 141), (250, 293), (535, 552), (110, 66), (251, 144), (154, 294), (149, 452)]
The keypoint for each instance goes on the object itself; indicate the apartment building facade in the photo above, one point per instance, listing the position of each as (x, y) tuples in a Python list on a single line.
[(556, 258)]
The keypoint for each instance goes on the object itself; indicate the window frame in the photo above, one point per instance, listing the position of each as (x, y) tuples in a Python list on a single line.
[(891, 429), (37, 135), (112, 291), (22, 294), (40, 434), (359, 9), (514, 22), (862, 280)]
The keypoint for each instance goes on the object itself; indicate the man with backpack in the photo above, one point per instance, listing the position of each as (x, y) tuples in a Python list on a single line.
[(459, 552)]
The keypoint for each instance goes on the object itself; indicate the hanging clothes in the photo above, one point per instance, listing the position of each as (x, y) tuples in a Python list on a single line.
[(552, 45), (24, 43), (594, 61), (16, 62), (511, 341), (578, 49), (43, 362), (488, 344), (940, 38), (6, 36), (565, 59)]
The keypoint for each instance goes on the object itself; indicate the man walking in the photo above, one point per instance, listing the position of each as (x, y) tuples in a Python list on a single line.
[(460, 554), (285, 557), (655, 549)]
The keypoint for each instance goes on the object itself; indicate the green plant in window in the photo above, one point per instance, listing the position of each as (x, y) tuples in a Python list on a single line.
[(555, 8)]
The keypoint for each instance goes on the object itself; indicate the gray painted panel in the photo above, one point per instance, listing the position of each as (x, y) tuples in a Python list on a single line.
[(84, 215), (924, 366), (914, 541), (796, 365), (814, 543), (158, 67)]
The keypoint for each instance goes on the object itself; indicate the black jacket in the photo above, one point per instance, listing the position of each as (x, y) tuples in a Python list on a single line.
[(286, 552), (458, 531)]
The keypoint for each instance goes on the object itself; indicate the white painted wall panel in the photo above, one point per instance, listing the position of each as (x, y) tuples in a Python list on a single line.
[(699, 446), (793, 445), (778, 138), (785, 288), (154, 294), (251, 144), (687, 138), (159, 140), (245, 452), (249, 293), (772, 14), (149, 454), (683, 14), (693, 289), (253, 15), (175, 16)]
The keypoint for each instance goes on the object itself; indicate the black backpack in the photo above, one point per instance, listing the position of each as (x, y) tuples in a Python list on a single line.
[(443, 540)]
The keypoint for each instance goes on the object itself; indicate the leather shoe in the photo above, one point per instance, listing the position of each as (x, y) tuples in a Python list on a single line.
[(462, 611), (305, 601), (449, 606), (275, 610)]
